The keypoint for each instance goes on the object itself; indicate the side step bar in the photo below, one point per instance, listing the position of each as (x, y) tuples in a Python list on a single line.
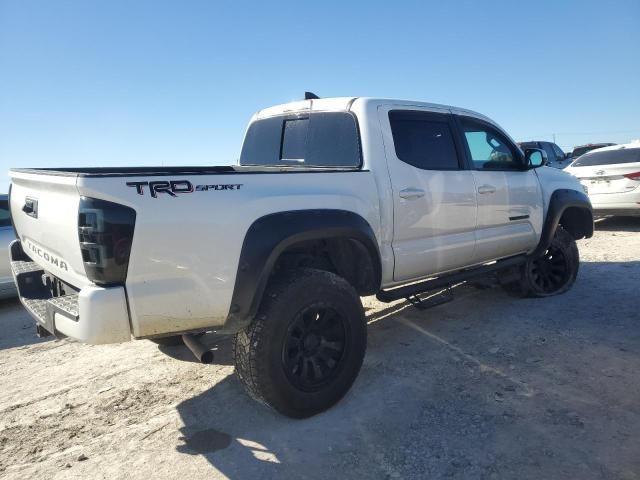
[(445, 281)]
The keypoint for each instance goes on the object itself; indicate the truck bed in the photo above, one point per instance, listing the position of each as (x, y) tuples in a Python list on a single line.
[(185, 248)]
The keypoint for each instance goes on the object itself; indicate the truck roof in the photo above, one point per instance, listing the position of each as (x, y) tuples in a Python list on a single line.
[(345, 103)]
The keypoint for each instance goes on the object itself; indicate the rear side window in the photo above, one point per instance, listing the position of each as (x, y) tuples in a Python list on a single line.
[(608, 157), (5, 218), (424, 140), (320, 139)]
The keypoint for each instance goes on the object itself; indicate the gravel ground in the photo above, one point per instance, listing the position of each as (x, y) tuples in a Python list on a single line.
[(487, 386)]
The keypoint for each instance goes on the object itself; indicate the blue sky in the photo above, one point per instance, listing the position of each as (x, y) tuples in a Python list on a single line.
[(111, 83)]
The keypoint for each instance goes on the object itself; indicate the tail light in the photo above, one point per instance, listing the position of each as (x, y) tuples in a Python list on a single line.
[(633, 176), (105, 230)]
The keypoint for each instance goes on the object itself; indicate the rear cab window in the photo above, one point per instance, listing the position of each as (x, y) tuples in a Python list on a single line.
[(314, 139)]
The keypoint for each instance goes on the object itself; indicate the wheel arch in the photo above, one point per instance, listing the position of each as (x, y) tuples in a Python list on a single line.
[(572, 210), (348, 240)]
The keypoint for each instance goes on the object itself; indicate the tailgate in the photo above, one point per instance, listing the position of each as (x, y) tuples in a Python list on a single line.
[(44, 209)]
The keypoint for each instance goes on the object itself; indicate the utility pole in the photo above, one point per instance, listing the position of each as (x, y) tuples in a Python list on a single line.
[(554, 138)]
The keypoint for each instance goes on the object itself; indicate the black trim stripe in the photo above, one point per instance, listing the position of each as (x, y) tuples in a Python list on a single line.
[(519, 217), (183, 171)]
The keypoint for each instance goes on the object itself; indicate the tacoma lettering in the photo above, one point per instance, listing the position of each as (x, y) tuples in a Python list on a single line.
[(48, 257)]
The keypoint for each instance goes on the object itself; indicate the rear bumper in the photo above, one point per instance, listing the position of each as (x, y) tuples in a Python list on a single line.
[(92, 315), (625, 203)]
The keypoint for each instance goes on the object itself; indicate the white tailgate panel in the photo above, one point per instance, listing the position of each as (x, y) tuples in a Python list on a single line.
[(51, 239)]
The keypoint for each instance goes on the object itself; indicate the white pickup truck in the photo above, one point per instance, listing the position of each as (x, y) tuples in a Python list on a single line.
[(332, 199)]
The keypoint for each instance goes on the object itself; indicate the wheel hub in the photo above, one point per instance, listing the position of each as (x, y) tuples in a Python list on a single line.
[(314, 347), (310, 343), (551, 271)]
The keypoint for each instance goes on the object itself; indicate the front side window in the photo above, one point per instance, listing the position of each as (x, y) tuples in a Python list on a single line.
[(5, 218), (423, 140), (489, 149), (317, 139)]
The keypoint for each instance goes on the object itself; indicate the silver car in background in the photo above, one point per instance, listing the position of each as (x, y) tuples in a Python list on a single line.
[(7, 287)]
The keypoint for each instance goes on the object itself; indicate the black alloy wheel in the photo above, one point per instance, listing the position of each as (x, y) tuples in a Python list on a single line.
[(314, 348), (550, 272)]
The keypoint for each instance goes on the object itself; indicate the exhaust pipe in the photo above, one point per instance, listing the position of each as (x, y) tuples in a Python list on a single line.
[(202, 352)]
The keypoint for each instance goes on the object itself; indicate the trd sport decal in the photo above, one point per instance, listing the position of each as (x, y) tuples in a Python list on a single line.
[(173, 187)]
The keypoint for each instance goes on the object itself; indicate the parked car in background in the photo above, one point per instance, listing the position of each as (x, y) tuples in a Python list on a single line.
[(555, 156), (612, 177), (7, 286), (582, 149)]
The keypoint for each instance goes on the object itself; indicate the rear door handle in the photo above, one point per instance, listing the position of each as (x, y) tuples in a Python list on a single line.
[(484, 189), (411, 193)]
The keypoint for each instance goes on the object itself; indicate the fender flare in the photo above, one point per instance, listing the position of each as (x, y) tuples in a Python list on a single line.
[(269, 236), (560, 201)]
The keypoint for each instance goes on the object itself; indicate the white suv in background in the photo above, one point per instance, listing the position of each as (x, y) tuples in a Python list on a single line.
[(612, 177)]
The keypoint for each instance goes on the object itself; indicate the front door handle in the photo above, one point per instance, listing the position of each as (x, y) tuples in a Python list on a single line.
[(484, 189), (411, 193)]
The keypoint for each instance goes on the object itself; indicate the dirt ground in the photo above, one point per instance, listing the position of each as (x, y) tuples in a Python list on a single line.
[(487, 386)]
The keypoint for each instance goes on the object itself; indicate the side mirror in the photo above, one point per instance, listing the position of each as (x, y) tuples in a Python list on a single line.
[(535, 157)]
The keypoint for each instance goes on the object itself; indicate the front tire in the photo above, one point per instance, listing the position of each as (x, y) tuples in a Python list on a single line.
[(304, 349), (552, 273)]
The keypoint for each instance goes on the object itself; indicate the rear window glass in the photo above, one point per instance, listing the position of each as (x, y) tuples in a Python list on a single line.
[(320, 139), (294, 140), (5, 218), (608, 157), (423, 140)]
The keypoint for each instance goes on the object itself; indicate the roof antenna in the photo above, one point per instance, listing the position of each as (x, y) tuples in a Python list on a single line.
[(311, 96)]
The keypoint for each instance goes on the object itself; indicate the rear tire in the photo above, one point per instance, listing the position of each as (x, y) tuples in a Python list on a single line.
[(552, 273), (304, 349)]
